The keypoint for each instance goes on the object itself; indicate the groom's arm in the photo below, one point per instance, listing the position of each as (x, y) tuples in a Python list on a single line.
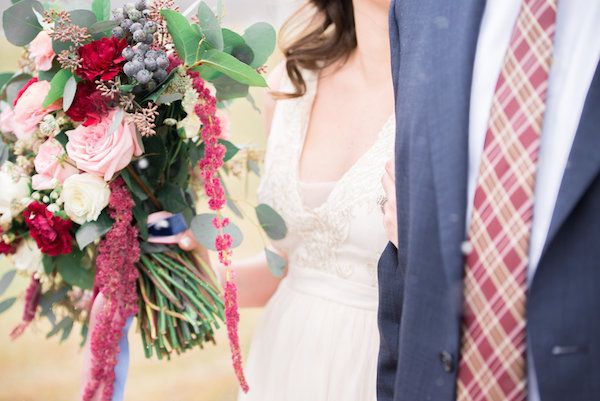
[(389, 277), (390, 296)]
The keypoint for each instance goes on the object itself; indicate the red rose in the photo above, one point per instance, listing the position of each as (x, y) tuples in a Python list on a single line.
[(88, 105), (101, 59), (50, 232)]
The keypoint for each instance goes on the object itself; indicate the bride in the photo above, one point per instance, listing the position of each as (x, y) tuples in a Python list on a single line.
[(332, 131)]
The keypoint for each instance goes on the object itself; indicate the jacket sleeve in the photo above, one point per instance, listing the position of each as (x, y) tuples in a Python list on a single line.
[(391, 281), (389, 314)]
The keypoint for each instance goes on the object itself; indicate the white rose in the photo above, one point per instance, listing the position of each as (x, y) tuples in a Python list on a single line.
[(84, 196), (28, 257), (14, 192)]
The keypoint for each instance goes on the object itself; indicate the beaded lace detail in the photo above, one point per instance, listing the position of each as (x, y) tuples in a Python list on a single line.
[(315, 235)]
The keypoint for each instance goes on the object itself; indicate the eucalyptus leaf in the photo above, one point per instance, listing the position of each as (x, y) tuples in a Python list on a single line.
[(185, 38), (261, 38), (15, 84), (20, 23), (69, 93), (7, 303), (48, 264), (172, 198), (252, 166), (101, 9), (83, 18), (57, 87), (233, 68), (231, 39), (65, 324), (102, 26), (4, 153), (141, 217), (4, 78), (209, 26), (93, 230), (275, 262), (72, 270), (228, 89), (234, 208), (271, 222), (205, 233), (6, 280), (66, 330)]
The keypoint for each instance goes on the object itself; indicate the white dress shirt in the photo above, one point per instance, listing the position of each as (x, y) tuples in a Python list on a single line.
[(576, 55)]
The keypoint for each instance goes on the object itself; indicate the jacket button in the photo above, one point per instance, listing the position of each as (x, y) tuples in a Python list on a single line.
[(447, 361)]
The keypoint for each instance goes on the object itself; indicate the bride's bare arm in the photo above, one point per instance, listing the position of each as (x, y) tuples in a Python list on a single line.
[(255, 282)]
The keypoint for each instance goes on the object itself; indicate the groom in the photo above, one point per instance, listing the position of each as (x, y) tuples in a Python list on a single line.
[(493, 290)]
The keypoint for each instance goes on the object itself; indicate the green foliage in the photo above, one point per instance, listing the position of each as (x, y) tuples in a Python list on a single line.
[(209, 26), (4, 78), (233, 68), (93, 230), (6, 304), (65, 325), (69, 92), (72, 270), (185, 38), (6, 280), (172, 198), (271, 222), (101, 9), (57, 87), (20, 23), (261, 38), (84, 18), (4, 152), (48, 264), (14, 85), (102, 28), (275, 262), (205, 233)]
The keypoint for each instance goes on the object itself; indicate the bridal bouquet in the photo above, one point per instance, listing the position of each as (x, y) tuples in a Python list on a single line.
[(114, 116)]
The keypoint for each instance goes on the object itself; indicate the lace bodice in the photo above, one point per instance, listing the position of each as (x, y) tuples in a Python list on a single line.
[(344, 235)]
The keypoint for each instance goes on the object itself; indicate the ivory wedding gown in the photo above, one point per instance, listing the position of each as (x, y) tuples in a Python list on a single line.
[(318, 339)]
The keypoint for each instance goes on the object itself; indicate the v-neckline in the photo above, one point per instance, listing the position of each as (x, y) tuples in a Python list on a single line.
[(309, 99)]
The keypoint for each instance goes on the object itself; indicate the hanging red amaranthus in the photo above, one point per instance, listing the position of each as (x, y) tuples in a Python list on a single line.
[(214, 154), (116, 279), (32, 300)]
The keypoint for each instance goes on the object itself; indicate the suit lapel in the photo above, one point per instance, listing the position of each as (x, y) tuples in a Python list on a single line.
[(584, 160), (449, 104)]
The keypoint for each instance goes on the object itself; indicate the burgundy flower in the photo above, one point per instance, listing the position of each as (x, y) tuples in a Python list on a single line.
[(50, 232), (88, 105), (6, 249), (101, 59)]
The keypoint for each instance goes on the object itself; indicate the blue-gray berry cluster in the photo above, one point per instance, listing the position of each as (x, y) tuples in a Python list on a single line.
[(147, 66)]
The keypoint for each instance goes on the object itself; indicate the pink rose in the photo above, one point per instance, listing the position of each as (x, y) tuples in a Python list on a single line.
[(28, 110), (97, 150), (6, 118), (41, 52), (51, 165)]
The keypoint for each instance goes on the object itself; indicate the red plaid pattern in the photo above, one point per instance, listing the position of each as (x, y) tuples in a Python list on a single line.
[(493, 364)]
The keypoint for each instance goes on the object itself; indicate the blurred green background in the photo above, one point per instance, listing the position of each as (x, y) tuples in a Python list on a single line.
[(34, 368)]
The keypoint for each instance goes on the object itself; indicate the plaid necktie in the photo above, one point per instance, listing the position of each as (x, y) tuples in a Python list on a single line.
[(493, 364)]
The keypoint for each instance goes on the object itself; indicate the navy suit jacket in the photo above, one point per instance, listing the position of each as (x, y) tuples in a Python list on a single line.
[(433, 49)]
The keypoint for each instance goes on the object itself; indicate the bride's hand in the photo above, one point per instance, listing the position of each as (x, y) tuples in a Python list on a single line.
[(390, 219)]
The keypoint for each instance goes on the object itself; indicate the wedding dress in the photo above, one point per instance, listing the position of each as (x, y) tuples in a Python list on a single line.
[(318, 339)]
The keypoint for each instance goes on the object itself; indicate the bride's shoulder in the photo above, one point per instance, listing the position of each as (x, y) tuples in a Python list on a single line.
[(274, 80)]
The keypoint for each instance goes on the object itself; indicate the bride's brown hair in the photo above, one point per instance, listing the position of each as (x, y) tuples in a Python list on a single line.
[(327, 36)]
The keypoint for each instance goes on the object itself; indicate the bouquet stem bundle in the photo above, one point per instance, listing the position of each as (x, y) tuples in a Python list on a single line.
[(180, 305)]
